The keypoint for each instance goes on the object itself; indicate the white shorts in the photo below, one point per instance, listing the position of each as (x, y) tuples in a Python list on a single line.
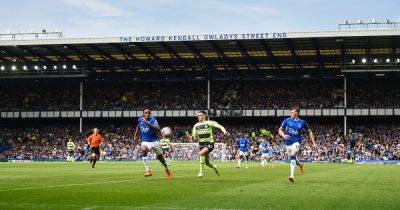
[(241, 153), (153, 146), (293, 148), (265, 155)]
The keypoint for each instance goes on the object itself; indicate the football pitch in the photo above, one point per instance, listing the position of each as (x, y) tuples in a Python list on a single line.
[(121, 185)]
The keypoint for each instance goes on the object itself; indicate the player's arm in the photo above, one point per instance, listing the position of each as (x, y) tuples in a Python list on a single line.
[(136, 134), (216, 125), (155, 126), (194, 133), (310, 133), (281, 132), (101, 141), (152, 123), (88, 139), (312, 137)]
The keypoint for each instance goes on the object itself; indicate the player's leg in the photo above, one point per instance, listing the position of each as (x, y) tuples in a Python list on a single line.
[(240, 155), (144, 152), (94, 159), (292, 165), (160, 157), (166, 156), (169, 155), (68, 158), (72, 157), (300, 164), (246, 158), (91, 156), (263, 160), (268, 158), (292, 152), (162, 160), (209, 163), (203, 152)]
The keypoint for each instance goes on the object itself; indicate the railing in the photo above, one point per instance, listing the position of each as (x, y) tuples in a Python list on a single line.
[(334, 112)]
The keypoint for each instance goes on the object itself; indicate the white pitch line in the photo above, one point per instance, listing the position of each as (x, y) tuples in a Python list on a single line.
[(82, 184), (107, 206)]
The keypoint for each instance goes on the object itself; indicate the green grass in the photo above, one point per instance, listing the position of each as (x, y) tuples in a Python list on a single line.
[(114, 185)]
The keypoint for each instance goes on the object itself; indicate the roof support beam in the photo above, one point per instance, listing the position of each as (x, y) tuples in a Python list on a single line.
[(395, 45), (222, 54), (268, 51), (57, 53), (153, 55), (128, 54), (295, 58), (79, 53), (35, 54), (16, 57), (102, 53), (173, 52), (318, 52), (244, 52), (368, 52), (196, 52)]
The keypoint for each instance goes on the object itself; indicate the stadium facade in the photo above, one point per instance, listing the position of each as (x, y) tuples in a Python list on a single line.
[(341, 56)]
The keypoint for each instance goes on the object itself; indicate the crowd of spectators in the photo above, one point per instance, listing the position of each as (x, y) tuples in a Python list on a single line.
[(267, 94), (37, 96), (277, 94), (374, 94), (380, 141)]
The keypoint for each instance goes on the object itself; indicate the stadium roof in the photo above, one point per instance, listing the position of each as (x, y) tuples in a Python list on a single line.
[(326, 51)]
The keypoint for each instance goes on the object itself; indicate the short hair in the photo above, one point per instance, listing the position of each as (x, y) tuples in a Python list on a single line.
[(146, 108), (297, 109), (203, 112)]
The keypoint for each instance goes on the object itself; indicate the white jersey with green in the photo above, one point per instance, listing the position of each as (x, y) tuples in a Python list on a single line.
[(70, 146), (165, 143), (204, 131)]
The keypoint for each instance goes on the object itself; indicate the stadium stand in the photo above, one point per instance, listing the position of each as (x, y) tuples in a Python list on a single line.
[(378, 140), (329, 75), (169, 95)]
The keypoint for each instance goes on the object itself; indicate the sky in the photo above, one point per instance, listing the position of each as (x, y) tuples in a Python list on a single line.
[(107, 18)]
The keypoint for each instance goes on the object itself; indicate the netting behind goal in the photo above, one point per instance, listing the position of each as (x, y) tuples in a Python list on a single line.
[(190, 151)]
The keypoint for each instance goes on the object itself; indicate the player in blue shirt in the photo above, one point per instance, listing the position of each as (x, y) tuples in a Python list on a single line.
[(149, 134), (265, 151), (353, 135), (243, 146), (290, 130)]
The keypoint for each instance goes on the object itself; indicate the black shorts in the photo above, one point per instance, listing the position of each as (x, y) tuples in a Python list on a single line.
[(95, 150), (208, 145), (70, 152)]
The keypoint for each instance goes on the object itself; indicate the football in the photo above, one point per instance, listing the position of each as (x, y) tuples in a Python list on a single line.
[(166, 131)]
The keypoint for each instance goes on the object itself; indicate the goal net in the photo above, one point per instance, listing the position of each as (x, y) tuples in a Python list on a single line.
[(190, 151)]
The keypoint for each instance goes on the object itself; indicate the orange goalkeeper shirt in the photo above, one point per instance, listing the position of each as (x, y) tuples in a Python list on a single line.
[(95, 140)]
